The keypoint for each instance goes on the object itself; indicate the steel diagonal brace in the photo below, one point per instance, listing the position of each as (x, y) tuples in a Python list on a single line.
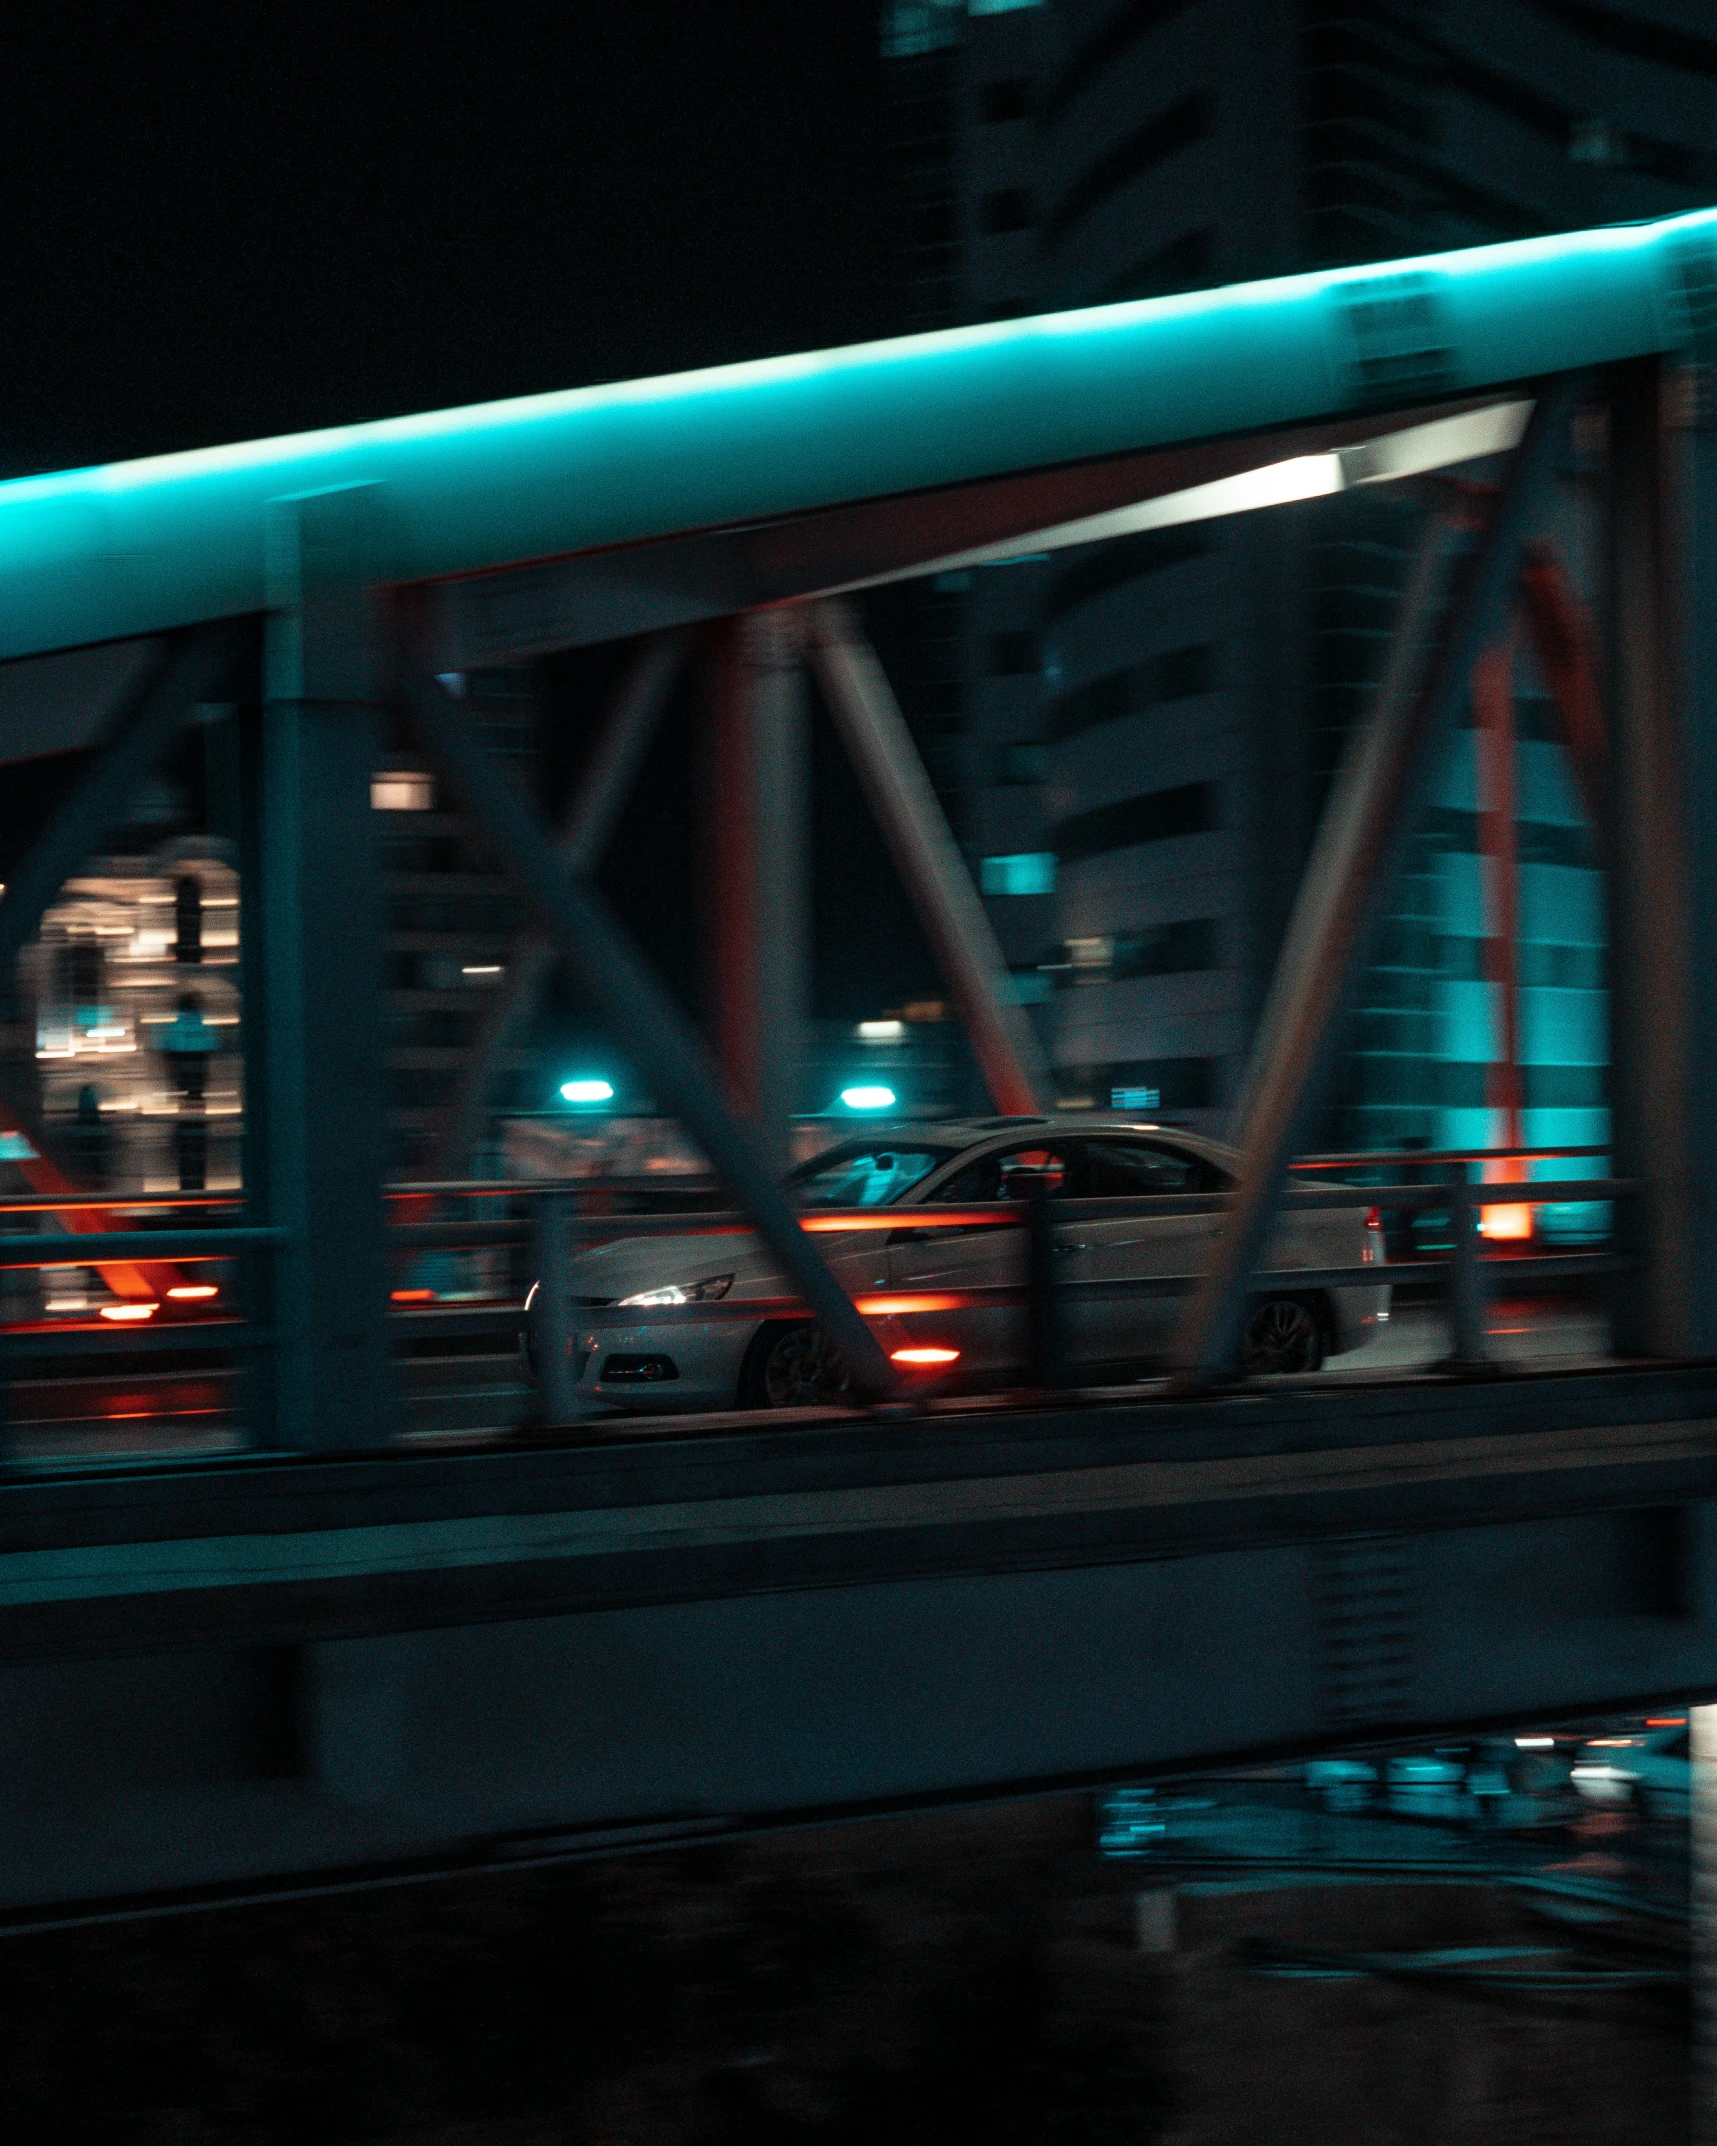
[(192, 666), (627, 729), (644, 1019), (1370, 818), (880, 746)]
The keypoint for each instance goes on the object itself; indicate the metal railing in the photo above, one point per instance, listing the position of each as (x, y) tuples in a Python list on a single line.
[(552, 1220)]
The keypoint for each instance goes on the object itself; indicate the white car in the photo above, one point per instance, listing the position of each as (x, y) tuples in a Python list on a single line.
[(778, 1362)]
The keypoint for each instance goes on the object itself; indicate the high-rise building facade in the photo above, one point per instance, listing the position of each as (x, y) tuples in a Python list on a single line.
[(1151, 726)]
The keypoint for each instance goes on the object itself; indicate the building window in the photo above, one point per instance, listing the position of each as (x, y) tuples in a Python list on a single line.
[(1182, 672), (1177, 674), (1005, 100), (1158, 816), (1012, 655), (402, 790), (1183, 123), (1182, 265), (1124, 29), (1007, 209), (1562, 968), (1176, 949), (1140, 1084), (1111, 566), (1026, 872), (1022, 766)]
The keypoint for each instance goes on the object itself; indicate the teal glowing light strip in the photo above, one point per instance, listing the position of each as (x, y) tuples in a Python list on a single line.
[(136, 547)]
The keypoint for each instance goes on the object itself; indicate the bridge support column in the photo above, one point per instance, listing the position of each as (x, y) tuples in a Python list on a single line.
[(758, 789), (1702, 1936), (316, 1150), (1663, 846)]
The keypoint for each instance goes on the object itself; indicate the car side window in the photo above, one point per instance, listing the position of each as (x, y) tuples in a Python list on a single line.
[(858, 1177), (1012, 1174), (1130, 1169)]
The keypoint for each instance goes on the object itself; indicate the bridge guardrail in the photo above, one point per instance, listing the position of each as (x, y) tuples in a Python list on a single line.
[(553, 1216)]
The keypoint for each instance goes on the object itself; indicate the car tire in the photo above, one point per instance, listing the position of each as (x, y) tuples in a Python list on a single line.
[(1283, 1335), (789, 1365)]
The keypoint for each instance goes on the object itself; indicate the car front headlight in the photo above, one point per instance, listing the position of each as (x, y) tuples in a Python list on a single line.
[(684, 1292)]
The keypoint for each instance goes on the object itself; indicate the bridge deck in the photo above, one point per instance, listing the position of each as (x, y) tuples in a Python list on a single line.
[(254, 1670), (675, 1509)]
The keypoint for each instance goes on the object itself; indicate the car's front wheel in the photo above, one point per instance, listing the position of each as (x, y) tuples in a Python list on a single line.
[(791, 1367), (1283, 1334)]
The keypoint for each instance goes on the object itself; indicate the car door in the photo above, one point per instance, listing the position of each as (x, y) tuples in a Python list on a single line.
[(1126, 1248), (992, 1338)]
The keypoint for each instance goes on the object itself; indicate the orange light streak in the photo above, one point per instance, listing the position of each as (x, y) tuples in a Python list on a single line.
[(880, 1307)]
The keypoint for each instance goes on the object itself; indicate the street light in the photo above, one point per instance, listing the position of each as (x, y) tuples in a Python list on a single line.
[(867, 1096), (586, 1091)]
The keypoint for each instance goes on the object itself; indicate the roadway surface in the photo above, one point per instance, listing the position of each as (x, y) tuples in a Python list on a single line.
[(100, 1420)]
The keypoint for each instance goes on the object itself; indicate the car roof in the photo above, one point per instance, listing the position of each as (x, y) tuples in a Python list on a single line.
[(961, 1133)]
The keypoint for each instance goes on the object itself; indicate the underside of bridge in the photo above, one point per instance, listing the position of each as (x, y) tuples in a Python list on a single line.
[(328, 1653)]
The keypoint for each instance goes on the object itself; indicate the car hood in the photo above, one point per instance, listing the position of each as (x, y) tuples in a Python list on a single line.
[(631, 1265)]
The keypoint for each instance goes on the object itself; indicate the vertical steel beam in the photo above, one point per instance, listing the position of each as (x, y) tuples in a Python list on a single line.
[(628, 726), (1702, 1936), (928, 859), (643, 1018), (551, 1334), (1564, 643), (1369, 819), (1499, 850), (1497, 773), (1469, 1347), (316, 1133), (1661, 887), (759, 794)]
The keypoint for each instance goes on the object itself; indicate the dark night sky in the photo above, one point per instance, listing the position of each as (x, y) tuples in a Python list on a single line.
[(222, 223)]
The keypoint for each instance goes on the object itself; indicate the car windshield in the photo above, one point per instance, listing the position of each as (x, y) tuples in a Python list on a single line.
[(862, 1173)]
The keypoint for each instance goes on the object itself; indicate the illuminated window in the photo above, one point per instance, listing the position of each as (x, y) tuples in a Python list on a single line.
[(402, 790), (1027, 872), (1019, 766)]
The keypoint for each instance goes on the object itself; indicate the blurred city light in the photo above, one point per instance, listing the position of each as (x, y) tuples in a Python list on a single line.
[(863, 1097), (1027, 872), (587, 1091), (402, 790)]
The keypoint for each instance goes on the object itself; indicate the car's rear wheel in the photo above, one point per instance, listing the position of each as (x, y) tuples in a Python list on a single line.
[(1283, 1334), (791, 1367)]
